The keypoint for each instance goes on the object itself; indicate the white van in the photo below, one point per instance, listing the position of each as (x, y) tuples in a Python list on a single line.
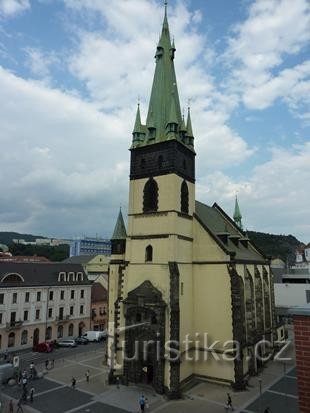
[(94, 335)]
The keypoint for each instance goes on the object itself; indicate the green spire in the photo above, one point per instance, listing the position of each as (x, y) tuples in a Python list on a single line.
[(237, 214), (164, 117), (120, 229), (189, 129), (161, 105), (138, 128)]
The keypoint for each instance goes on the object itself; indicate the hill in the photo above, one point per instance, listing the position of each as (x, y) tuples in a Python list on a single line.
[(282, 246), (7, 237)]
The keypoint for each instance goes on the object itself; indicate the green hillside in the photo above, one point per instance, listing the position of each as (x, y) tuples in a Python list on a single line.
[(282, 246), (7, 237)]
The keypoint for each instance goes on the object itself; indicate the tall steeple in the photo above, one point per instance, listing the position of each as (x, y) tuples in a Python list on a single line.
[(237, 214), (164, 119)]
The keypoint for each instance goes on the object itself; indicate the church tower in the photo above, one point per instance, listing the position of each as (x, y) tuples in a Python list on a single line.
[(160, 228), (237, 214), (183, 272)]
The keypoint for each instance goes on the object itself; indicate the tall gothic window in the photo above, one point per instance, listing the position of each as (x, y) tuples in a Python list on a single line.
[(184, 197), (150, 196), (149, 253)]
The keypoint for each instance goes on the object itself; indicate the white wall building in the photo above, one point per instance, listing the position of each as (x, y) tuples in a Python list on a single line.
[(42, 301)]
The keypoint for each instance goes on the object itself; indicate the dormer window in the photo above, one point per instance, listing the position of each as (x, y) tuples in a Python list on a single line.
[(61, 276), (12, 278)]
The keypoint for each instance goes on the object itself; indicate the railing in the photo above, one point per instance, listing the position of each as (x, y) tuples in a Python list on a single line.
[(62, 318), (13, 325)]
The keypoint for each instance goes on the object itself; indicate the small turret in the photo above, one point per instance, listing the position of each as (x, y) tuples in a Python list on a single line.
[(172, 50), (172, 124), (189, 130), (151, 126), (138, 133), (237, 214), (118, 240)]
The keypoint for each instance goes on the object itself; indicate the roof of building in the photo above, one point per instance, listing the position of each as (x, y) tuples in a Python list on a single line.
[(98, 293), (22, 258), (78, 259), (39, 274), (164, 106), (120, 229), (217, 222), (302, 310)]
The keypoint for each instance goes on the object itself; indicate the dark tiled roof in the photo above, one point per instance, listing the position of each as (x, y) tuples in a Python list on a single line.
[(79, 259), (36, 274), (98, 293), (216, 222)]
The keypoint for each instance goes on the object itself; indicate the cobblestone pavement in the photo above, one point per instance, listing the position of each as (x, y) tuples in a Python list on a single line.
[(54, 394)]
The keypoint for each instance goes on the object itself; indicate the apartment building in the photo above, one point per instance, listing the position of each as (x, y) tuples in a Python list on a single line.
[(42, 301)]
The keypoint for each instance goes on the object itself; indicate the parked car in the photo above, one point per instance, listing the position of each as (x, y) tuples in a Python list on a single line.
[(45, 347), (81, 340), (66, 342), (7, 372), (94, 335)]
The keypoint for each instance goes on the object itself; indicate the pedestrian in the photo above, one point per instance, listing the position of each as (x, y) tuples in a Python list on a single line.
[(267, 410), (31, 394), (229, 402), (117, 382), (11, 407), (87, 376), (24, 381), (46, 363), (6, 353), (53, 361), (142, 403), (73, 382), (19, 406)]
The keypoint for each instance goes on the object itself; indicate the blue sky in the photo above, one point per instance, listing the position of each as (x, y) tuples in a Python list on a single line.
[(71, 72)]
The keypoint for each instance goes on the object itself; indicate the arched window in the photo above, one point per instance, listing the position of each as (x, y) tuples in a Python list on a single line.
[(24, 337), (60, 331), (149, 253), (48, 333), (150, 196), (70, 330), (11, 340), (184, 197)]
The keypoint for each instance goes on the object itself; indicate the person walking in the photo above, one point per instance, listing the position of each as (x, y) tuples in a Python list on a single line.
[(73, 382), (19, 406), (32, 394), (87, 376), (53, 362), (229, 402), (46, 363), (267, 410), (11, 407), (142, 403)]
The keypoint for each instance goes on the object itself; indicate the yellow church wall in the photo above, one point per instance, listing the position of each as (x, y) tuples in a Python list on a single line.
[(160, 223), (169, 189), (213, 315), (164, 250), (214, 368), (205, 248)]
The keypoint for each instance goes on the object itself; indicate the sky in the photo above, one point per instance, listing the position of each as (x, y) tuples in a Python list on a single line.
[(72, 71)]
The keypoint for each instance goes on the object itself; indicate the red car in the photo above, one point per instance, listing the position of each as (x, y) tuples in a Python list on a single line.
[(45, 347)]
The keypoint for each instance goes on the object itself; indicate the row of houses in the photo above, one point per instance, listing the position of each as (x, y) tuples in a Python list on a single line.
[(42, 301)]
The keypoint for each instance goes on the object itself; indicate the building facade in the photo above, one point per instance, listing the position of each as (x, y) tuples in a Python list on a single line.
[(99, 307), (42, 301), (90, 246), (184, 276)]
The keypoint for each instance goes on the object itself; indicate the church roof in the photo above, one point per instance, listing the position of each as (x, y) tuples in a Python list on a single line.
[(217, 223), (120, 229), (164, 105)]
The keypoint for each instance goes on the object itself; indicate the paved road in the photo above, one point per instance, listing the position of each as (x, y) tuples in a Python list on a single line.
[(26, 357)]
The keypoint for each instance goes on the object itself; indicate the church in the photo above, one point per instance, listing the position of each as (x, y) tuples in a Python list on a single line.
[(190, 296)]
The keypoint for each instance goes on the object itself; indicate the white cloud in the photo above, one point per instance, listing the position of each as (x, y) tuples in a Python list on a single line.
[(12, 7), (273, 196), (273, 30), (40, 62)]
